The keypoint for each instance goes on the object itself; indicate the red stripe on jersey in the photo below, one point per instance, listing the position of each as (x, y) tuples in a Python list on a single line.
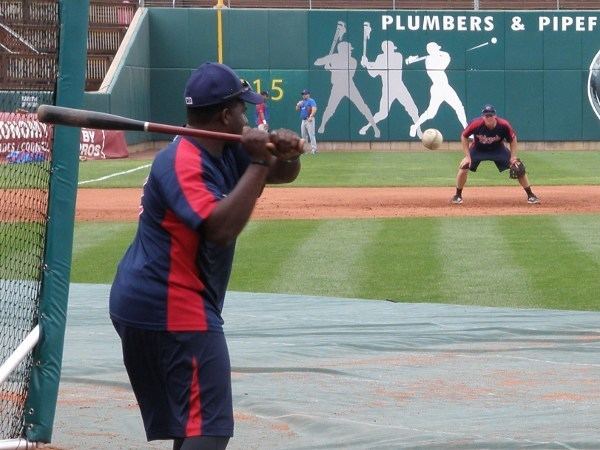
[(476, 123), (188, 168), (193, 427), (508, 126), (185, 305)]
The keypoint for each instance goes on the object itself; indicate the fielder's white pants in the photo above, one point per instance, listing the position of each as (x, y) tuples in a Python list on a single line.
[(307, 130)]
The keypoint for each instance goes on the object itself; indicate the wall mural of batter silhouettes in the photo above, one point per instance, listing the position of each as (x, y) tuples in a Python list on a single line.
[(594, 84), (342, 66), (417, 69), (388, 66), (436, 63)]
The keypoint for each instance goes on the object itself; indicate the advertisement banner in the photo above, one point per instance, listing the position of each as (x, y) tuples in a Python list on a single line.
[(23, 139)]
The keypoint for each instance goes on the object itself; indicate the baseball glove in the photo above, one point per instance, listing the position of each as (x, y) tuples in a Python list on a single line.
[(517, 170)]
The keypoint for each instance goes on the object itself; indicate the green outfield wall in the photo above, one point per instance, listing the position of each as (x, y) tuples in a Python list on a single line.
[(437, 68)]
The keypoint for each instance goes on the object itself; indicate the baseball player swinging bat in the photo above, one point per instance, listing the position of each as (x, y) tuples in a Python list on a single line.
[(92, 119)]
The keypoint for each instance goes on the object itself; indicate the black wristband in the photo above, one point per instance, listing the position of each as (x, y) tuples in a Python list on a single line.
[(260, 162)]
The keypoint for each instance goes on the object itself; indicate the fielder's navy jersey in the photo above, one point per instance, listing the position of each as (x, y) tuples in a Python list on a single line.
[(171, 278), (489, 139)]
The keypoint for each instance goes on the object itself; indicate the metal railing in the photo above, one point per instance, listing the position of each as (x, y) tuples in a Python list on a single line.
[(97, 65), (105, 40), (101, 12), (37, 71), (34, 11), (34, 70), (112, 12)]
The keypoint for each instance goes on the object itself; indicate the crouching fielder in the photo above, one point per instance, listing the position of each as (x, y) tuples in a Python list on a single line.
[(489, 133)]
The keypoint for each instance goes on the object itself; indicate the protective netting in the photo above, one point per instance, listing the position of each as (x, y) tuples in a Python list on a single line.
[(28, 55)]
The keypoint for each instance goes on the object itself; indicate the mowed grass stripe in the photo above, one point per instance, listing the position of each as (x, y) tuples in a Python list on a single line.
[(377, 169), (330, 259), (263, 248), (560, 271), (530, 261), (407, 267), (102, 246), (560, 168), (478, 267), (584, 232)]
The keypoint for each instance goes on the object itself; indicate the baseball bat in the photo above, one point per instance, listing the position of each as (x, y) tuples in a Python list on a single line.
[(335, 40), (366, 36), (72, 117)]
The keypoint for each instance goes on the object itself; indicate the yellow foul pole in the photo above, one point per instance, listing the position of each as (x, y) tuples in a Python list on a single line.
[(219, 6)]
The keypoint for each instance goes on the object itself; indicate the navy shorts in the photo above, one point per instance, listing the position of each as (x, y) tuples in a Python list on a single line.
[(182, 381), (500, 156)]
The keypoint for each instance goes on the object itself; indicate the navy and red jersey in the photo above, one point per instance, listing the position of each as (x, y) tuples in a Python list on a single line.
[(262, 113), (485, 138), (171, 278)]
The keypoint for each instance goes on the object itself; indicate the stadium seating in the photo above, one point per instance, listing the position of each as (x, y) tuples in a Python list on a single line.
[(28, 40)]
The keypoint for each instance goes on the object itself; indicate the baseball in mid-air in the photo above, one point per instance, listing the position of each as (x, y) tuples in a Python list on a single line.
[(432, 139), (494, 40)]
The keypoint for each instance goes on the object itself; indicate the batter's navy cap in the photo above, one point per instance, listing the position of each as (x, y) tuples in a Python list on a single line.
[(213, 83), (488, 109), (305, 91)]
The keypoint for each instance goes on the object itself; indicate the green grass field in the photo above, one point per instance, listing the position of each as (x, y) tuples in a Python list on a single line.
[(525, 262), (386, 169)]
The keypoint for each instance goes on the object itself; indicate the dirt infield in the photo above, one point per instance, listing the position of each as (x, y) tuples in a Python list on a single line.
[(317, 203)]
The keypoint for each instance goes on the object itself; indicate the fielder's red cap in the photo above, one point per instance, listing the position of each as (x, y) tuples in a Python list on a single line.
[(213, 83)]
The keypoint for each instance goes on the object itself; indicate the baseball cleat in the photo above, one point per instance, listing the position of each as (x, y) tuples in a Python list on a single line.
[(457, 200), (533, 200)]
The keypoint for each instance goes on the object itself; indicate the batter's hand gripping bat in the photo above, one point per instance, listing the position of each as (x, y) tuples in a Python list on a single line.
[(92, 119)]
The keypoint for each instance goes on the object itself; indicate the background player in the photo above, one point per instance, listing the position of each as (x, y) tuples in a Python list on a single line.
[(489, 132), (308, 108), (262, 113), (168, 293)]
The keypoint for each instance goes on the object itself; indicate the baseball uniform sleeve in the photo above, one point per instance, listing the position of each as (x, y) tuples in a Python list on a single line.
[(509, 132), (471, 127), (189, 188)]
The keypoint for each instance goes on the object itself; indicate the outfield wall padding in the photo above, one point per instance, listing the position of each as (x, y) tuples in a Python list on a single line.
[(540, 69)]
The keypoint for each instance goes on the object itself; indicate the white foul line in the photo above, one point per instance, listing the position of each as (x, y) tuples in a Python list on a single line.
[(115, 174)]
